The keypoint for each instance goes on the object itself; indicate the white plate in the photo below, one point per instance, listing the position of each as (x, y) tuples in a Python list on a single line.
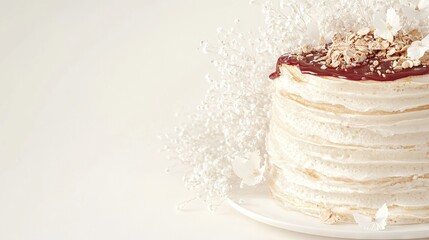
[(257, 204)]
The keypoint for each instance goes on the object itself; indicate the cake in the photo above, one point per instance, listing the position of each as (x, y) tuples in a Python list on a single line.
[(349, 129)]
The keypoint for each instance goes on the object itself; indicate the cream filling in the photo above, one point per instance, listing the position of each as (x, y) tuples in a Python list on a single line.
[(361, 96), (414, 199)]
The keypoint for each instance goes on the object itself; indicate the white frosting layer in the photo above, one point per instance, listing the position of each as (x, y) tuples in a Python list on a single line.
[(336, 143)]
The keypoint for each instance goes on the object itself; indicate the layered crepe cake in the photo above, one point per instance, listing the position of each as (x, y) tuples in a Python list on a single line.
[(349, 129)]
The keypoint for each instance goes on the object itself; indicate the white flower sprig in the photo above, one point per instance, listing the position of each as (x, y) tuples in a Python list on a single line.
[(418, 48), (416, 9), (388, 28), (249, 169), (373, 224)]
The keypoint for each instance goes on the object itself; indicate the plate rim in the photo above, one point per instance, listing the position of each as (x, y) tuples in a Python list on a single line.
[(390, 233)]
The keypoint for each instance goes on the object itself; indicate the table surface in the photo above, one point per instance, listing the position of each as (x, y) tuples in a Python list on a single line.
[(85, 88)]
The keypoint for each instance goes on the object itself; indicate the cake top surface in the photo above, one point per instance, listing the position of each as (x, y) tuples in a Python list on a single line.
[(382, 52)]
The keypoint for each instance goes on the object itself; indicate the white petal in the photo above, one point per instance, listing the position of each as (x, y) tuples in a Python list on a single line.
[(393, 20), (239, 166), (366, 222), (381, 217), (391, 16), (384, 33), (252, 180), (253, 160), (248, 169), (415, 50), (381, 29), (423, 5), (382, 213), (380, 224), (363, 221), (256, 177)]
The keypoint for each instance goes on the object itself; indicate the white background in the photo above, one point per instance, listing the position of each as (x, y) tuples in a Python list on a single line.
[(85, 88)]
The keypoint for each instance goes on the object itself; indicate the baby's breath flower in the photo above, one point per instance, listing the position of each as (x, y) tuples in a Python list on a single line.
[(418, 48), (389, 27)]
